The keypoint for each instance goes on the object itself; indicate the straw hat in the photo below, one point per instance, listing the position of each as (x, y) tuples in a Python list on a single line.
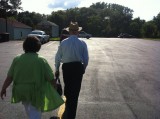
[(74, 27)]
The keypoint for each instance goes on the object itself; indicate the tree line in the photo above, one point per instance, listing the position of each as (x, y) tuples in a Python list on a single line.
[(100, 19)]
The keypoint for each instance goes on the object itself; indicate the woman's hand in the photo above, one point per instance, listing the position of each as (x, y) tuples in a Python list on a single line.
[(6, 83), (3, 93), (54, 84), (57, 74)]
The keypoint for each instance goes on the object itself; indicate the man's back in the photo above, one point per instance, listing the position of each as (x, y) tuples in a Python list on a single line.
[(72, 49)]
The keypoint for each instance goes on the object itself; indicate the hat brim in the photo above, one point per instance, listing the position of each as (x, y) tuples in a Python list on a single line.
[(79, 28)]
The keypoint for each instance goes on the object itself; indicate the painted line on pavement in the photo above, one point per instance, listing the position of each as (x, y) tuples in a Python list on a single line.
[(18, 44), (50, 44), (61, 109)]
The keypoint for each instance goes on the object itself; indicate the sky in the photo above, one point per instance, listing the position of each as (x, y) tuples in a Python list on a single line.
[(144, 9)]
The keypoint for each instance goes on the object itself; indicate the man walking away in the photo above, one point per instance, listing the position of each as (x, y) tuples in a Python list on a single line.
[(73, 53)]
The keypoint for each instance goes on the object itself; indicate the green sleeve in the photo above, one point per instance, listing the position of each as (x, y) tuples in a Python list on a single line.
[(11, 69)]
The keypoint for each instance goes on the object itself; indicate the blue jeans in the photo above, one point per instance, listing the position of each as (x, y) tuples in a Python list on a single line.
[(31, 111)]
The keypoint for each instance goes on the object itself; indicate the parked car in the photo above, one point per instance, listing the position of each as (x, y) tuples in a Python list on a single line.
[(64, 34), (43, 37), (125, 35), (83, 34)]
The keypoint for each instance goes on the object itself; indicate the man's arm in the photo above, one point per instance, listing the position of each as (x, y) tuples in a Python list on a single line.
[(85, 56), (57, 61)]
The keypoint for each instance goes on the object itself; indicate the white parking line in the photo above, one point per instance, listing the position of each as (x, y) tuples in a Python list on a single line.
[(61, 109), (18, 44), (50, 44)]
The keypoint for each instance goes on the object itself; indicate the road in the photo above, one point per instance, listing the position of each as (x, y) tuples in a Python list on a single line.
[(122, 80)]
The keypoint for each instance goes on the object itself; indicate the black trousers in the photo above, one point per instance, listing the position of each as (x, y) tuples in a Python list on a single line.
[(72, 77)]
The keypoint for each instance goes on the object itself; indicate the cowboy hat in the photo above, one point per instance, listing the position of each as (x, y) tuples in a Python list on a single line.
[(74, 27)]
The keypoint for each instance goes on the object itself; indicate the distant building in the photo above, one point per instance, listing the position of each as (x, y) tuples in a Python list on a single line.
[(50, 28), (17, 30)]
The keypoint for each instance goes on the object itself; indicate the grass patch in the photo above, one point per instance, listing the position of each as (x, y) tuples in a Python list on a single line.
[(54, 39)]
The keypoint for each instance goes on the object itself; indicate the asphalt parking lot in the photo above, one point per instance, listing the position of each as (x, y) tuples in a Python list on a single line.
[(122, 80)]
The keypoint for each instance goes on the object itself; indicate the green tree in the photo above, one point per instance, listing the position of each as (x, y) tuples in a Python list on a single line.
[(84, 17), (113, 18), (149, 30), (156, 20), (9, 7), (30, 18), (119, 19), (99, 5), (136, 27), (93, 24), (59, 18)]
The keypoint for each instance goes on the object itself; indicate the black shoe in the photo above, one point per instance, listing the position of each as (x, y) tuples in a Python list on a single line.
[(54, 117)]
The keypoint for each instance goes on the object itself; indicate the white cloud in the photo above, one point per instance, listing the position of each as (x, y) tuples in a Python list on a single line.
[(63, 4)]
